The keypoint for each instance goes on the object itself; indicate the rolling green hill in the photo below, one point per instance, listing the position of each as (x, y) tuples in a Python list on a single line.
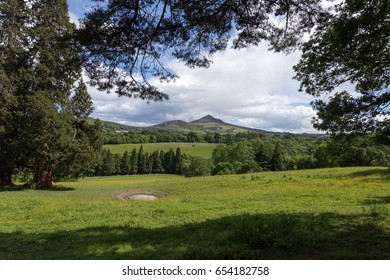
[(206, 124), (201, 126)]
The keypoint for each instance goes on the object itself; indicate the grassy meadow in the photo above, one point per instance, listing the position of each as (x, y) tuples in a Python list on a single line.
[(340, 213), (219, 127), (204, 150)]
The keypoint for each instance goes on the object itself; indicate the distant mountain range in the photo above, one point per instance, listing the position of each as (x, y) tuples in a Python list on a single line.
[(203, 125)]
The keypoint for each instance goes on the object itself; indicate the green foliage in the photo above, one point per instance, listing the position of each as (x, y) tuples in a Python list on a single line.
[(196, 166), (223, 168), (273, 152), (157, 162), (134, 162), (117, 164), (45, 100), (358, 151), (240, 153), (323, 157), (192, 137), (126, 163), (142, 161), (220, 154), (169, 161), (277, 163), (195, 149), (81, 102), (263, 153), (291, 152), (351, 48), (309, 162), (178, 164), (267, 153), (108, 167), (118, 134)]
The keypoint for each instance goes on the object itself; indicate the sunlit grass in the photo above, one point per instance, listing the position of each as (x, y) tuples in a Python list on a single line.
[(328, 213)]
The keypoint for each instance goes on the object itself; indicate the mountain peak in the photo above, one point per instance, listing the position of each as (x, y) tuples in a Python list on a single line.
[(208, 118)]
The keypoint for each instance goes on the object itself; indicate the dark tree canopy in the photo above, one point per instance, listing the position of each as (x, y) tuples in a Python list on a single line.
[(124, 42), (353, 47), (44, 104)]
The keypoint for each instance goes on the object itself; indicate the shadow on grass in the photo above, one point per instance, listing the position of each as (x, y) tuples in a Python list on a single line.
[(382, 173), (274, 236), (17, 188), (377, 200), (56, 189)]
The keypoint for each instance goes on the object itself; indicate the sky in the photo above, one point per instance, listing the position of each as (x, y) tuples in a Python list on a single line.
[(252, 88)]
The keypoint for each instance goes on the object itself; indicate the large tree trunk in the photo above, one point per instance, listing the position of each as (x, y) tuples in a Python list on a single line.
[(43, 177)]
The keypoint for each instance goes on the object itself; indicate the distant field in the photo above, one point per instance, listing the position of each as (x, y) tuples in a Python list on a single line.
[(222, 128), (204, 150), (341, 213)]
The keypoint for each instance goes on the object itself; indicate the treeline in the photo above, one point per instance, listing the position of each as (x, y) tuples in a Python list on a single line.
[(140, 162), (350, 150), (166, 136), (264, 153), (251, 156), (292, 153)]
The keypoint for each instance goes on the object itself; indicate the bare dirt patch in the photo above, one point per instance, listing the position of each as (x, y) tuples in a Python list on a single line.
[(140, 195)]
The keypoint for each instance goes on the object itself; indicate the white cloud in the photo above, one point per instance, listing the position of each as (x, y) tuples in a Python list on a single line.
[(250, 88), (74, 19)]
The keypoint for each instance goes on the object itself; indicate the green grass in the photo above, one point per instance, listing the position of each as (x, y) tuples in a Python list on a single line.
[(204, 150), (222, 128), (341, 213)]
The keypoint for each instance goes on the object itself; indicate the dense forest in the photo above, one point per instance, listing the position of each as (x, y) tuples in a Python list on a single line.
[(246, 153), (166, 136)]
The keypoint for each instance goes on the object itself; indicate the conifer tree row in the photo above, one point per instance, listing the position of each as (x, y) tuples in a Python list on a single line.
[(140, 162)]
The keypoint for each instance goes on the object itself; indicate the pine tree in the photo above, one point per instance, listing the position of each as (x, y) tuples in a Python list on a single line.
[(87, 138), (156, 163), (125, 164), (53, 74), (141, 161), (148, 159), (81, 102), (134, 162), (108, 166), (168, 161), (178, 162), (117, 165), (13, 60), (162, 158), (39, 69), (277, 163)]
